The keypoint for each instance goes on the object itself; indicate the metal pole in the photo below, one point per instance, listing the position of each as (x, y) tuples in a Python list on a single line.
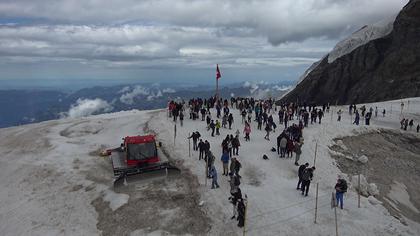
[(189, 145), (207, 169), (316, 148), (358, 192), (316, 202), (174, 133), (246, 209), (336, 224)]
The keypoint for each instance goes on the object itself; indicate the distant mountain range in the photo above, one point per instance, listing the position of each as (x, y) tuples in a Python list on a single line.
[(378, 62), (25, 106)]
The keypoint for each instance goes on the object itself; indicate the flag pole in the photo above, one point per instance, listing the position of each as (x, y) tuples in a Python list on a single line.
[(217, 89)]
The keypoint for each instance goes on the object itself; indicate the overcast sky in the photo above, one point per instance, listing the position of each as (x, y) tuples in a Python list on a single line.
[(176, 40)]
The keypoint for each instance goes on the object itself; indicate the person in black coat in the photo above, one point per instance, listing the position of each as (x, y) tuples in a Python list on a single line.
[(300, 172), (241, 213), (307, 176), (201, 148)]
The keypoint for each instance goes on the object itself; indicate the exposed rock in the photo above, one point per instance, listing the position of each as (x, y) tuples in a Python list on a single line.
[(382, 69), (363, 159)]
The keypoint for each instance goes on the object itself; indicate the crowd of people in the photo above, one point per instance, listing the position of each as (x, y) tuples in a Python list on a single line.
[(292, 116)]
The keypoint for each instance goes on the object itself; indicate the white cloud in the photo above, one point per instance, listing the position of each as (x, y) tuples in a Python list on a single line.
[(154, 95), (125, 89), (128, 97), (162, 34), (86, 107), (168, 90), (282, 88)]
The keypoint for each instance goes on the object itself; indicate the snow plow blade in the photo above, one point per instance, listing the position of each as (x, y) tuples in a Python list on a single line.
[(136, 174)]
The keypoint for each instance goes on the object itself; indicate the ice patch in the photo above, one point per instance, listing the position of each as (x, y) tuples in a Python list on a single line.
[(398, 193), (116, 200)]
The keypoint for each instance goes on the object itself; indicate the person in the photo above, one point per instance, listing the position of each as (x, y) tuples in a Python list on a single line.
[(298, 151), (376, 111), (357, 118), (195, 136), (225, 162), (212, 127), (267, 130), (210, 162), (283, 146), (411, 123), (232, 166), (247, 131), (206, 149), (290, 147), (307, 176), (241, 213), (418, 128), (230, 120), (320, 115), (383, 113), (235, 145), (300, 173), (217, 125), (236, 194), (201, 147), (237, 167), (181, 118), (340, 189), (339, 115), (213, 174), (367, 118)]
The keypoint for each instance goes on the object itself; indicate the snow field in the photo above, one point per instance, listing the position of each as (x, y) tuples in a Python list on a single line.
[(275, 206)]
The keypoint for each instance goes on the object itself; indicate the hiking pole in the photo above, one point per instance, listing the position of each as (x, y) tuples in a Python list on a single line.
[(316, 202)]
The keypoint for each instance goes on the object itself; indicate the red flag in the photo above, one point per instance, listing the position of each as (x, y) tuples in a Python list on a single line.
[(218, 74)]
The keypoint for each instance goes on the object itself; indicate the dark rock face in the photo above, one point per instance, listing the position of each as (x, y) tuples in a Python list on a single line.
[(383, 69)]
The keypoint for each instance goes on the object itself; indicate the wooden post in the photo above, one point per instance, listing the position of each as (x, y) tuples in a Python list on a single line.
[(358, 191), (336, 224), (316, 149), (189, 145), (316, 202)]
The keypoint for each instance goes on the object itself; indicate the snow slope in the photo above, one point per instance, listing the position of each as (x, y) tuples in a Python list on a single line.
[(361, 37), (50, 177)]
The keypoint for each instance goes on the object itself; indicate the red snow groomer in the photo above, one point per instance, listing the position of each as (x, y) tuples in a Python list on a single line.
[(138, 155)]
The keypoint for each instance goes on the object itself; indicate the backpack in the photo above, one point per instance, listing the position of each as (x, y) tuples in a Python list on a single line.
[(306, 174), (344, 185)]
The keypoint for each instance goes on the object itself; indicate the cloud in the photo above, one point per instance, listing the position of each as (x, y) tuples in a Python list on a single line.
[(86, 107), (282, 88), (166, 34), (168, 90), (154, 95), (128, 97), (125, 89)]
